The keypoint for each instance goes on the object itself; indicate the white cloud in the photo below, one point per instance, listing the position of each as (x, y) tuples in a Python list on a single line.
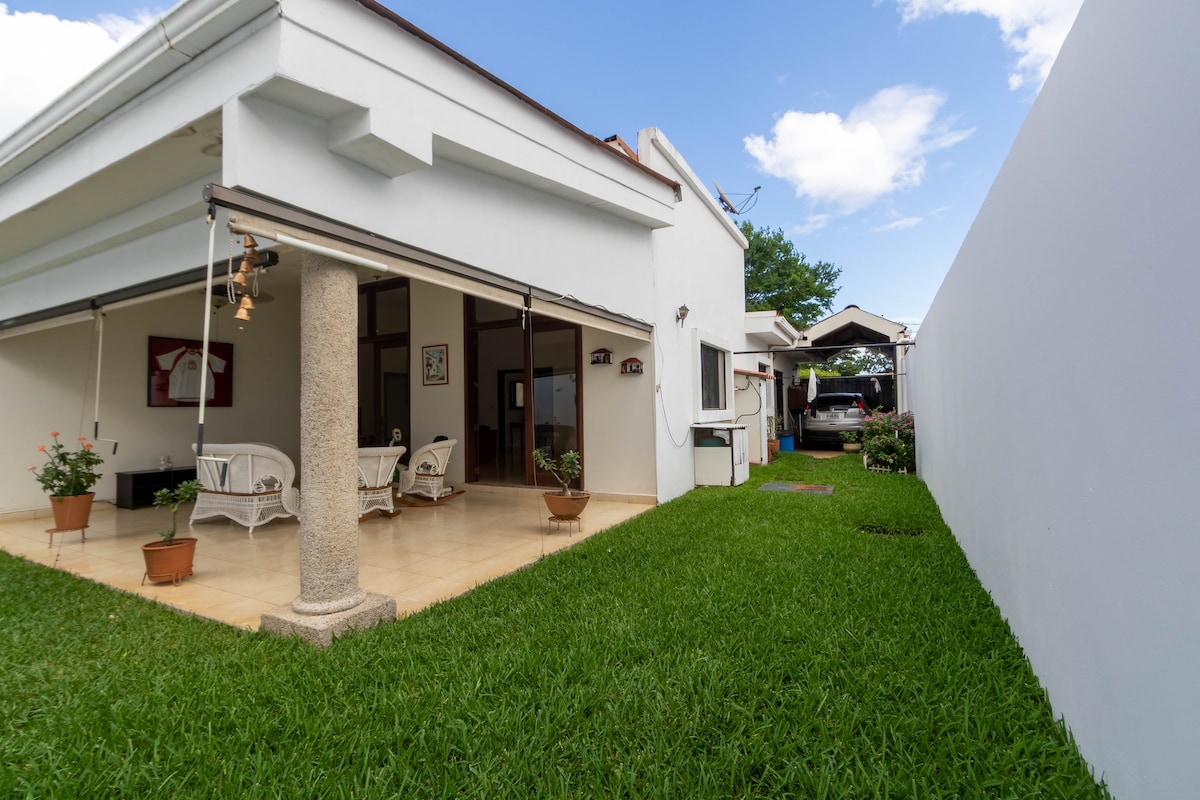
[(813, 224), (1035, 29), (899, 225), (849, 163), (41, 56)]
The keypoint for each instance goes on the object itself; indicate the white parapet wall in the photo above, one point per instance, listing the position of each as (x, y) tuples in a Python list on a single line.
[(1053, 392)]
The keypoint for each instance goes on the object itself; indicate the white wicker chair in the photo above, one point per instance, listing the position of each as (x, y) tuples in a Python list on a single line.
[(426, 471), (376, 466), (250, 484)]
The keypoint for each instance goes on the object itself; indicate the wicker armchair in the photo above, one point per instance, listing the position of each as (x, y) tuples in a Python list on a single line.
[(426, 471), (376, 466), (250, 484)]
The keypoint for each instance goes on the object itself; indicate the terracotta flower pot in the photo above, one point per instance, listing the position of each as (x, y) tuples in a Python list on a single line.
[(566, 506), (772, 449), (169, 561), (72, 513)]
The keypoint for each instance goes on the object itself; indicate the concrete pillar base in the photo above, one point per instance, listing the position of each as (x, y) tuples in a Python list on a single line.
[(321, 630)]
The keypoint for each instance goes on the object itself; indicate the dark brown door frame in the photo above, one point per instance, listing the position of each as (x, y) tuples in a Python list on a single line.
[(377, 343), (529, 324)]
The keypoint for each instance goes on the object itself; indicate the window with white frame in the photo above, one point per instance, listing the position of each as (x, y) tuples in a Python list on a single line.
[(712, 378)]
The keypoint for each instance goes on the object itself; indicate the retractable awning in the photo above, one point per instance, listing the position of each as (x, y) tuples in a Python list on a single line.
[(269, 220)]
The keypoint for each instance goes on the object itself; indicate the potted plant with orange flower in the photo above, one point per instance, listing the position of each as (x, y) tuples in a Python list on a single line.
[(68, 477)]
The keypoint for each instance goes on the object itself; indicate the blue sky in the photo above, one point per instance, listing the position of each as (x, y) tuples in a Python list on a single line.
[(874, 127)]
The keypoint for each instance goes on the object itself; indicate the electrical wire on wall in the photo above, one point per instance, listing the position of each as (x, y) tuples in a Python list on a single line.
[(658, 390), (750, 385)]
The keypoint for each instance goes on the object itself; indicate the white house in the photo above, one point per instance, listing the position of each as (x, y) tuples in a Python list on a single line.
[(464, 221), (1054, 393)]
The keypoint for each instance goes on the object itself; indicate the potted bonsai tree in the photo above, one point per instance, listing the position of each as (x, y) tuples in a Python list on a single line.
[(68, 478), (567, 503), (170, 558)]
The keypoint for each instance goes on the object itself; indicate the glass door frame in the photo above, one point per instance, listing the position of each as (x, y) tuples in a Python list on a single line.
[(532, 324), (376, 343)]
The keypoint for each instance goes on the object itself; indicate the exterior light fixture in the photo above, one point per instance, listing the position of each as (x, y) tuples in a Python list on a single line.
[(681, 314)]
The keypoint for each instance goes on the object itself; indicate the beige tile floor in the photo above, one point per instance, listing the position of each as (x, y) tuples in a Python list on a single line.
[(419, 557)]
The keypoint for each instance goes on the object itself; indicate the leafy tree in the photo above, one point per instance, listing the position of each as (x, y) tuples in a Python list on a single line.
[(860, 360), (779, 278)]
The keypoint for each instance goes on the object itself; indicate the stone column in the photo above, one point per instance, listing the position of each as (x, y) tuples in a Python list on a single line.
[(328, 437), (330, 601)]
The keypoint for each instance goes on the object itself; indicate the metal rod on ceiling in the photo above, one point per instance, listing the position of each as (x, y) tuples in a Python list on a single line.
[(212, 238), (99, 371), (822, 348)]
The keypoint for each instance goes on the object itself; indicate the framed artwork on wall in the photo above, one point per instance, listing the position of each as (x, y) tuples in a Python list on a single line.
[(434, 365), (175, 372)]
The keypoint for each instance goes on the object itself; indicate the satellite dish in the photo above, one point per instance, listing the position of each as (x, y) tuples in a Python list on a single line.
[(725, 202), (729, 206)]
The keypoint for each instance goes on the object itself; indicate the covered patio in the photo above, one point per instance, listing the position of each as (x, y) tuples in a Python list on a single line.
[(420, 557)]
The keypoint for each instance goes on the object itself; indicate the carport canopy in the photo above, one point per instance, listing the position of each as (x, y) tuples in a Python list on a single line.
[(847, 329)]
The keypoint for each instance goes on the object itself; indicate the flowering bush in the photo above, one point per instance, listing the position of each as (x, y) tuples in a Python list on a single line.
[(68, 474), (889, 439)]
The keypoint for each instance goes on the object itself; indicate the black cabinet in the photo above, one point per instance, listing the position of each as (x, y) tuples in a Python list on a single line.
[(137, 488)]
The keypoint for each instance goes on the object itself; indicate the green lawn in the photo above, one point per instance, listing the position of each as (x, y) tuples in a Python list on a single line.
[(731, 643)]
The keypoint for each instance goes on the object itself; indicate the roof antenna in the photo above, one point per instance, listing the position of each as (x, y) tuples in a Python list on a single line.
[(732, 208)]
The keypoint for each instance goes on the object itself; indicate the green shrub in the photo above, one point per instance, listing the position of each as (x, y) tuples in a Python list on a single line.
[(889, 439)]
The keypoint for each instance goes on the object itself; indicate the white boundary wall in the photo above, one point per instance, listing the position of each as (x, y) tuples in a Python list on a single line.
[(1073, 494)]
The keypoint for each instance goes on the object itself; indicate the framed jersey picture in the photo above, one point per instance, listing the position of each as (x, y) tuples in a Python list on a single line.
[(177, 373)]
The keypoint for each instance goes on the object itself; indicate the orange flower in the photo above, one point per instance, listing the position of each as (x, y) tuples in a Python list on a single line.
[(33, 469), (81, 439), (41, 448), (54, 433), (86, 446)]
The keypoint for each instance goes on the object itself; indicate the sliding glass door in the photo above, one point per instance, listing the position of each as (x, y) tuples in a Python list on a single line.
[(523, 391), (383, 362)]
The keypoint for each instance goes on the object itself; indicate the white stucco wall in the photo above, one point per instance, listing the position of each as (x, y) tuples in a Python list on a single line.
[(1053, 392), (618, 419), (49, 382), (754, 406), (436, 316), (697, 263)]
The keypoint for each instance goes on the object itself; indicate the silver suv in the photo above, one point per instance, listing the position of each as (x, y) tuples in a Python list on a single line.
[(830, 414)]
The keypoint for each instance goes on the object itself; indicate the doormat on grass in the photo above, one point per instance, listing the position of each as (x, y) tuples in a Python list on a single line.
[(808, 488)]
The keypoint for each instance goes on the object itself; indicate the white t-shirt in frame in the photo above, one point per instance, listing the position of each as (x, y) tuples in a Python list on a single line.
[(184, 365)]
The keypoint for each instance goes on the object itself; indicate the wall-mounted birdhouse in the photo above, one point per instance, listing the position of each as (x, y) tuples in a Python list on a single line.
[(631, 366), (601, 356)]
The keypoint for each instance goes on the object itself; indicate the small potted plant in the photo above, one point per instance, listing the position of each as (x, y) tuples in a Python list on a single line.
[(68, 477), (773, 424), (170, 558), (851, 441), (567, 503)]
